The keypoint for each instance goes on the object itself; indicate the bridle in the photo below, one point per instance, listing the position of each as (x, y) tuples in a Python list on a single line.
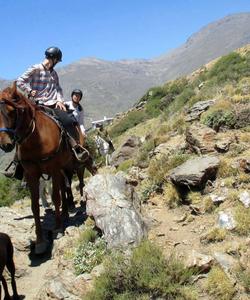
[(14, 132)]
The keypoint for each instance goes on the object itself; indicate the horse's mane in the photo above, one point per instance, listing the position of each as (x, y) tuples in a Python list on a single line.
[(16, 95)]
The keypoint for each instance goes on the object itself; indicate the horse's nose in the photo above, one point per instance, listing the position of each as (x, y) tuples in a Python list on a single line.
[(7, 147)]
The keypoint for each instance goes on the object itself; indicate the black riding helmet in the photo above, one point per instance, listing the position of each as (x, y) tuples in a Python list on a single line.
[(77, 92), (53, 52)]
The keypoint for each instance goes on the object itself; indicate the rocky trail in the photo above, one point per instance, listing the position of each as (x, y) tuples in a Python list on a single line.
[(32, 270)]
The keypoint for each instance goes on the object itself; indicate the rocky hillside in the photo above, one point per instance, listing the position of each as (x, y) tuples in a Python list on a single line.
[(113, 87), (181, 167)]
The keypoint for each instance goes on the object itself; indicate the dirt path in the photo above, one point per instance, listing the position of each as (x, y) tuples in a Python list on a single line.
[(33, 281), (31, 269)]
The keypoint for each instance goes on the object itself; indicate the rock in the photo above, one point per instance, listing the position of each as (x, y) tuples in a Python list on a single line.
[(242, 118), (173, 145), (245, 164), (197, 109), (195, 172), (110, 201), (245, 198), (217, 199), (200, 261), (225, 261), (223, 145), (126, 151), (226, 220), (200, 139)]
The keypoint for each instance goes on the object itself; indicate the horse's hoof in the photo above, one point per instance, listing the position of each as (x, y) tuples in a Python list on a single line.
[(41, 248), (57, 234)]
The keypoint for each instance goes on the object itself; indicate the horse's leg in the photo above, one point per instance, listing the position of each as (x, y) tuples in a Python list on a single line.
[(5, 287), (11, 267), (57, 178), (33, 183), (80, 175), (70, 197)]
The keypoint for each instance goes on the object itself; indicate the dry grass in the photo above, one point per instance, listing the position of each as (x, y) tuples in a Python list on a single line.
[(214, 235), (171, 196), (218, 285), (226, 169), (194, 197), (242, 218)]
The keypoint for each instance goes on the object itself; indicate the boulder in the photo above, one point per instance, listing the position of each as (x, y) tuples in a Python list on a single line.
[(111, 202), (195, 172), (126, 151), (200, 139), (197, 109)]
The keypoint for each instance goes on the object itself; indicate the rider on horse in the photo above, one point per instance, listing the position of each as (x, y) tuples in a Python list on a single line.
[(41, 84), (103, 133)]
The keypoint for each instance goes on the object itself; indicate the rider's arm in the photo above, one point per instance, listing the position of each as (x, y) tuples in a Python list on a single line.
[(59, 89), (23, 82)]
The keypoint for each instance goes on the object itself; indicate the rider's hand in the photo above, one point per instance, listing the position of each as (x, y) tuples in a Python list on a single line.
[(60, 105), (32, 93)]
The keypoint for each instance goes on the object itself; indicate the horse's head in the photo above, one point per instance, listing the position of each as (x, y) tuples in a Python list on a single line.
[(13, 109)]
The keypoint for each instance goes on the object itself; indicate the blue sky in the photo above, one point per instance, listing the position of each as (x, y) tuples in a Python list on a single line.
[(106, 29)]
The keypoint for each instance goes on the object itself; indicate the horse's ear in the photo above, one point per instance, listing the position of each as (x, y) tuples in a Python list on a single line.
[(15, 93)]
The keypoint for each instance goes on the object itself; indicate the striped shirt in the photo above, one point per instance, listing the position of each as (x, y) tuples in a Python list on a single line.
[(78, 113), (44, 82)]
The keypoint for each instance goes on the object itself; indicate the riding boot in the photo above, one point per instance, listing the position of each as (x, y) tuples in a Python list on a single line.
[(16, 172), (80, 153)]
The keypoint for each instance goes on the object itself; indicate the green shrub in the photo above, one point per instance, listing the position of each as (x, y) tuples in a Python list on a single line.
[(219, 118), (146, 275), (231, 67), (146, 147), (132, 119), (148, 190), (125, 165), (179, 101), (11, 190), (89, 252)]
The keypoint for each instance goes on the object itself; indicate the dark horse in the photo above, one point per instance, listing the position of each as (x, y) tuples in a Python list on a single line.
[(6, 260), (41, 149)]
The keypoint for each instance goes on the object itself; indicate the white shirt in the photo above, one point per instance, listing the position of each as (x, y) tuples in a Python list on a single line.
[(78, 113)]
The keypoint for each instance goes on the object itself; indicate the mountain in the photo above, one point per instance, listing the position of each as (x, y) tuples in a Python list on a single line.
[(114, 86), (4, 83)]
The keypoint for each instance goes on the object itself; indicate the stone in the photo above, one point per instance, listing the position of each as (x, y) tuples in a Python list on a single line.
[(195, 172), (110, 200)]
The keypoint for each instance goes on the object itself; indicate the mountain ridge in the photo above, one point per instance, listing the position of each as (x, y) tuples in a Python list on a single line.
[(114, 86)]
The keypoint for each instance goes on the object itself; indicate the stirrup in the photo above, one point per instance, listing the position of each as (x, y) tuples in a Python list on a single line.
[(10, 174), (81, 153)]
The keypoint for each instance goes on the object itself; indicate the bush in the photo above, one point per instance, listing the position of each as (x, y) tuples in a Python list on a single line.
[(218, 285), (125, 165), (231, 67), (11, 190), (89, 252), (242, 218), (146, 275), (220, 118), (214, 235), (171, 195), (244, 277), (132, 119), (142, 156)]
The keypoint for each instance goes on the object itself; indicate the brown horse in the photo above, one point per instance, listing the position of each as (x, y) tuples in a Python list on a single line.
[(6, 260), (41, 148)]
